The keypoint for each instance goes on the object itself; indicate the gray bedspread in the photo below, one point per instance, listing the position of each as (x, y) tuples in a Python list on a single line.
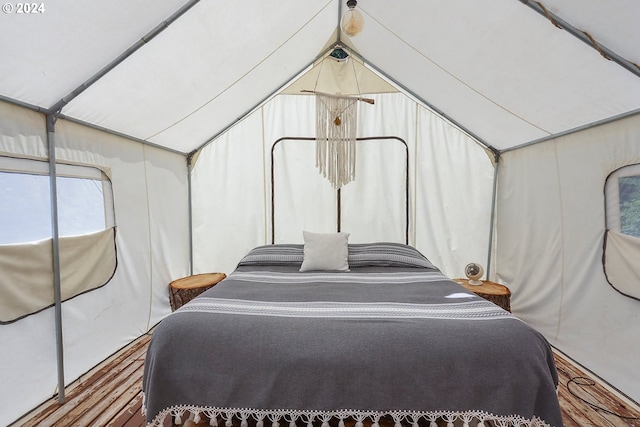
[(391, 337)]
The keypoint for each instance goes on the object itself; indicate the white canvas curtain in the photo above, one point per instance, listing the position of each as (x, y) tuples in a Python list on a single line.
[(232, 188)]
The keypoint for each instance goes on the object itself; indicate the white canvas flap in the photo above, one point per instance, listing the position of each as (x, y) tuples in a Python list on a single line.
[(621, 256)]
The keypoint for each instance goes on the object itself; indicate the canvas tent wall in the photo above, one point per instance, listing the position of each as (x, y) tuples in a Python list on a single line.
[(447, 205), (173, 80), (150, 201), (551, 231)]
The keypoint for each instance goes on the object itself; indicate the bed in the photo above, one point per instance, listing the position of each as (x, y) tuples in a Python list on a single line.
[(389, 337)]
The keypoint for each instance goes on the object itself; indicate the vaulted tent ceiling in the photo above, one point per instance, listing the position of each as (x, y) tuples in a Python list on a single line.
[(500, 70)]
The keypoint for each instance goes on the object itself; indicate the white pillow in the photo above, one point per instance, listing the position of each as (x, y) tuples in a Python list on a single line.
[(325, 251)]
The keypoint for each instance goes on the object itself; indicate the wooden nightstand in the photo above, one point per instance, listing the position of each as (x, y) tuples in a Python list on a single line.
[(494, 292), (181, 291)]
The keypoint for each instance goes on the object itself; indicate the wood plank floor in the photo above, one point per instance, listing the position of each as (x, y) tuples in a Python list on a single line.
[(587, 402), (110, 395)]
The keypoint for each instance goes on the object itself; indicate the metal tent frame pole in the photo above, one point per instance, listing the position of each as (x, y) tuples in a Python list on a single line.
[(574, 130), (45, 111), (52, 115), (120, 134), (492, 216), (583, 36), (55, 242), (58, 106), (423, 101), (259, 103), (190, 209)]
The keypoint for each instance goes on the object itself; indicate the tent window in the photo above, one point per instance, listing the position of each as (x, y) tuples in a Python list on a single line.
[(24, 208), (622, 236), (86, 231), (629, 189), (84, 200), (622, 193)]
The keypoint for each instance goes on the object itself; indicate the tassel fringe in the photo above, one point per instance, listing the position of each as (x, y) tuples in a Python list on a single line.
[(273, 418)]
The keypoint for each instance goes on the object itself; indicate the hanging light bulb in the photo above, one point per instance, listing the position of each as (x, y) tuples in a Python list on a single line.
[(352, 21)]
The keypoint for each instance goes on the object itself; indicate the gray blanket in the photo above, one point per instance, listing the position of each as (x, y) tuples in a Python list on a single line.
[(391, 337)]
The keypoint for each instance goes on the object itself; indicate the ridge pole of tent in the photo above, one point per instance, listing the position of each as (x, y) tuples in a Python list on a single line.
[(57, 294), (583, 36), (339, 38)]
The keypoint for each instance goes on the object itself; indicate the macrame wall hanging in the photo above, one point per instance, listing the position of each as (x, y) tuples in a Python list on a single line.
[(336, 126)]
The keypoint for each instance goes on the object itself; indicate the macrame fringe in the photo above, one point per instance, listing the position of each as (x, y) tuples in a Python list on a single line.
[(276, 418), (336, 126)]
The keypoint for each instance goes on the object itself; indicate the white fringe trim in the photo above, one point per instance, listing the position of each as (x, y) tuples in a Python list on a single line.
[(288, 418)]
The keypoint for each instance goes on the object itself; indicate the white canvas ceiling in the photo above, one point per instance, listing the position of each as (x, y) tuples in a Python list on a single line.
[(500, 69)]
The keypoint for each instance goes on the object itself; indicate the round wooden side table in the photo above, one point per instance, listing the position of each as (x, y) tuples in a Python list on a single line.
[(491, 291), (183, 290)]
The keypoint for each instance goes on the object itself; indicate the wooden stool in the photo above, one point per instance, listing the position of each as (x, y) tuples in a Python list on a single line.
[(491, 291), (181, 291)]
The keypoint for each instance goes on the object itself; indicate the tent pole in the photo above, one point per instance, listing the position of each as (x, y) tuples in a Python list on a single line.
[(263, 100), (57, 294), (377, 70), (189, 194), (493, 214), (338, 203), (428, 104), (574, 130), (127, 53), (338, 26), (26, 105), (583, 36), (45, 111), (119, 134)]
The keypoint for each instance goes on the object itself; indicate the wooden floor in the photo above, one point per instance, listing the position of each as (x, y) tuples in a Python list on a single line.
[(110, 395), (587, 402)]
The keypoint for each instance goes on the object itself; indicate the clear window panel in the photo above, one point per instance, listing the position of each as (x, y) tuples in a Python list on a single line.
[(25, 211), (25, 208), (80, 206), (629, 188)]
